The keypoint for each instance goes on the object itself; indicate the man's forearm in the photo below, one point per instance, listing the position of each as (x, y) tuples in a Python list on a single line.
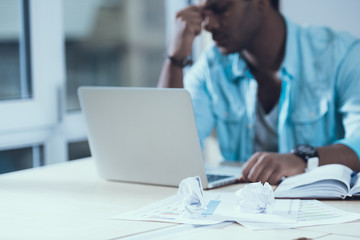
[(188, 25), (339, 153), (171, 76)]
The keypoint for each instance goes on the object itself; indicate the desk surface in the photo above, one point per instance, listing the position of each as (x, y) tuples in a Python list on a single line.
[(69, 201)]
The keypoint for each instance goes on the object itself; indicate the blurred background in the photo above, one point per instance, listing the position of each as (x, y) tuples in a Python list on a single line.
[(50, 48)]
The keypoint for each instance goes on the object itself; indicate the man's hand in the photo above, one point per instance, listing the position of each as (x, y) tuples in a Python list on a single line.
[(271, 167), (187, 27)]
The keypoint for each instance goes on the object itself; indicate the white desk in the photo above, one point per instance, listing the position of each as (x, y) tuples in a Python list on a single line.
[(69, 201)]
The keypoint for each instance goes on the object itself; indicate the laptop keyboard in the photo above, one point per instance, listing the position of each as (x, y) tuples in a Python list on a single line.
[(213, 177)]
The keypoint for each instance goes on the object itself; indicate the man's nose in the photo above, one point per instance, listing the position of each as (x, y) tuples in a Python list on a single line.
[(211, 23)]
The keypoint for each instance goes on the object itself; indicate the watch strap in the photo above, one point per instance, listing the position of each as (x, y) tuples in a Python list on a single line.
[(305, 151), (180, 62), (308, 154), (312, 163)]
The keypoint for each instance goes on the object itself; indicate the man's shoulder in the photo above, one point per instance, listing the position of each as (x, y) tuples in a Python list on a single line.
[(322, 37)]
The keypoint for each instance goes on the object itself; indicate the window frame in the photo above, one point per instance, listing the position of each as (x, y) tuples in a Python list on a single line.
[(31, 121), (42, 119)]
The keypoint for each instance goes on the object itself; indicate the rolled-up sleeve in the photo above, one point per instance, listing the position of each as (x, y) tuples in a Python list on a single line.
[(348, 86)]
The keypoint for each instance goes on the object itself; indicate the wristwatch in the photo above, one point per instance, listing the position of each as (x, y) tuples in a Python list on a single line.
[(180, 62), (307, 153)]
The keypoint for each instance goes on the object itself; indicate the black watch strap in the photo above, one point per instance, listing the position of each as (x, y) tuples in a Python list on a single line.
[(180, 62), (305, 152)]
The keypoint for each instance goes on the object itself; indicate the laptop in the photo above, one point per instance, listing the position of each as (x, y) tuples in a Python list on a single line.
[(147, 135)]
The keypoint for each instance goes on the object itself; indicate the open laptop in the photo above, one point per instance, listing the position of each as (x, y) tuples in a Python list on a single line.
[(146, 135)]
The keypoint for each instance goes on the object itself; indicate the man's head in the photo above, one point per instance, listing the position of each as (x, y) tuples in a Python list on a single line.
[(235, 24)]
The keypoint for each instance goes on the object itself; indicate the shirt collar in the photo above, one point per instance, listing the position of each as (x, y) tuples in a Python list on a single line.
[(239, 67), (289, 64)]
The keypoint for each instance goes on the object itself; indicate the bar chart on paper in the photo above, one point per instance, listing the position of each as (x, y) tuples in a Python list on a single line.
[(311, 213), (220, 207), (169, 210), (172, 211)]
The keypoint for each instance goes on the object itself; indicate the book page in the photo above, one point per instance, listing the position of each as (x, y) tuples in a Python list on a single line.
[(356, 187), (332, 172)]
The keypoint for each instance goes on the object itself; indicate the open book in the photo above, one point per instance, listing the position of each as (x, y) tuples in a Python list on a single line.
[(327, 181)]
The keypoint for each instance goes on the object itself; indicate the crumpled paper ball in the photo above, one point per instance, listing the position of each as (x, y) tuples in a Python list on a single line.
[(256, 198), (191, 192)]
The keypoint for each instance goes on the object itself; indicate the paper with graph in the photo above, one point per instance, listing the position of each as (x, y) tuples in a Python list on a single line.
[(220, 208), (311, 213)]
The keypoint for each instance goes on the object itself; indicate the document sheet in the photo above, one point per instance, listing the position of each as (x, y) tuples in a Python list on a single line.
[(220, 207), (311, 213)]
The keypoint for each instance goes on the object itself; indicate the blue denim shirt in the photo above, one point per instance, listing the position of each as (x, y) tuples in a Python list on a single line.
[(319, 101)]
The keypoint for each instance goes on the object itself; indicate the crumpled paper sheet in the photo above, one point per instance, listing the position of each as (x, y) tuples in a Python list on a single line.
[(191, 192), (256, 198)]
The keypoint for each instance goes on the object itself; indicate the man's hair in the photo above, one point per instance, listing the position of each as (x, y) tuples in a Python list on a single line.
[(275, 4)]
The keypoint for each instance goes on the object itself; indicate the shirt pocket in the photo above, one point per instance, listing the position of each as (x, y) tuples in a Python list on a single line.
[(229, 129), (309, 123)]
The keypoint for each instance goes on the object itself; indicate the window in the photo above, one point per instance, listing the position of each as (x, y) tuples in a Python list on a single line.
[(22, 158), (77, 150), (30, 68), (10, 29), (112, 43), (50, 48), (21, 110), (109, 43)]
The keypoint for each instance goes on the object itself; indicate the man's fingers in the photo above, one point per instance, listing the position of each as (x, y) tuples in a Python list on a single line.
[(267, 173), (190, 21), (275, 178), (191, 13), (271, 167), (257, 169), (249, 165), (241, 180)]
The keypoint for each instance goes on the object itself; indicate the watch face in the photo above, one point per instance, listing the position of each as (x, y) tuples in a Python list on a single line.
[(307, 150)]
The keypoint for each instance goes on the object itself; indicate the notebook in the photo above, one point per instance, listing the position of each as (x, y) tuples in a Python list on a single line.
[(331, 181), (147, 135)]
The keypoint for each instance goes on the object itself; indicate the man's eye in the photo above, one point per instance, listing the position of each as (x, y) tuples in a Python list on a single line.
[(220, 10)]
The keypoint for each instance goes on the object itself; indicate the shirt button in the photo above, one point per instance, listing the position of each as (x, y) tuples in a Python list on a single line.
[(249, 126), (311, 114)]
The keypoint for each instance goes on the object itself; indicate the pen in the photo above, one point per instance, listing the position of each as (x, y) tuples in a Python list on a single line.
[(354, 178)]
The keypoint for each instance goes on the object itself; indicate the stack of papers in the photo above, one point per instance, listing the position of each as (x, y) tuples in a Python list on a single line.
[(221, 207), (311, 213)]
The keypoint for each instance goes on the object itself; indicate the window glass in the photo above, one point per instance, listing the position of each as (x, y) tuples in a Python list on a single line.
[(20, 159), (10, 28), (112, 43), (78, 150)]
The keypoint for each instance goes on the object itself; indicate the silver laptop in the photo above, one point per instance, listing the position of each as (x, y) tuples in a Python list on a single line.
[(146, 135)]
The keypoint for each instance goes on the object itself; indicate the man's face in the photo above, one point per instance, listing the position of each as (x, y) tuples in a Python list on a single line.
[(234, 24)]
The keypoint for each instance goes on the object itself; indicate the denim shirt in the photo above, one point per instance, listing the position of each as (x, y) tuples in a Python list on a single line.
[(319, 101)]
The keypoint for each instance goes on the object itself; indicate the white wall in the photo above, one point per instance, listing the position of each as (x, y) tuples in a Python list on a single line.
[(343, 15)]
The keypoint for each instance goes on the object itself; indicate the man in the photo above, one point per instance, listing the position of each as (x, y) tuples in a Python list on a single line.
[(280, 96)]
